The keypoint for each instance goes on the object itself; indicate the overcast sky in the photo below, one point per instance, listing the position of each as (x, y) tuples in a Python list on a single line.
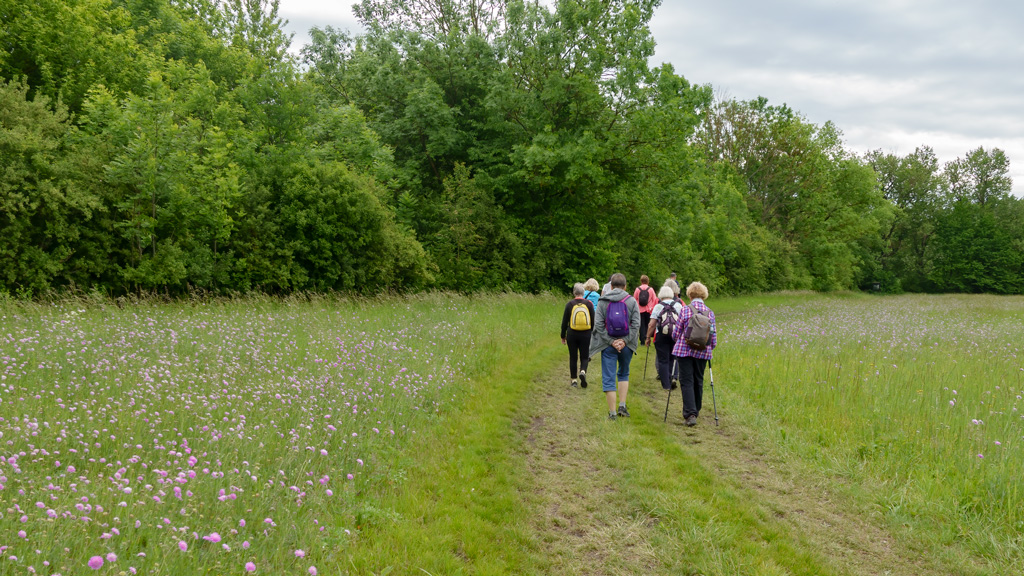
[(891, 74)]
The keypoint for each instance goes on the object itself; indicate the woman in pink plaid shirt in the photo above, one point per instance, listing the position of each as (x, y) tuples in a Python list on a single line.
[(692, 361)]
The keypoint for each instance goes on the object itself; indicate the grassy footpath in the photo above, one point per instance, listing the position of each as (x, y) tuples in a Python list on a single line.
[(527, 477), (459, 509), (479, 491)]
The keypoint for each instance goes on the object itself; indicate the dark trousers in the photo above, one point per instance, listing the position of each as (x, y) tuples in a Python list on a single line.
[(663, 362), (645, 319), (579, 347), (691, 383)]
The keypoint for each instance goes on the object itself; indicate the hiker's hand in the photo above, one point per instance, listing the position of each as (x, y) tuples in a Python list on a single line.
[(563, 341), (618, 345)]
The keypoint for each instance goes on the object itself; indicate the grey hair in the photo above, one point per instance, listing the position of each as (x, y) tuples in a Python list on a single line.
[(577, 289), (665, 293)]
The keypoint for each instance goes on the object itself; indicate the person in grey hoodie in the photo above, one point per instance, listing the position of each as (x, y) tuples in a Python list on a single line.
[(616, 351)]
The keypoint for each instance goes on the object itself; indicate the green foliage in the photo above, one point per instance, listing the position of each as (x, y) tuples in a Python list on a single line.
[(474, 245), (174, 145), (42, 211), (912, 183), (973, 253), (199, 157), (800, 184), (957, 229), (547, 110), (341, 237), (63, 48)]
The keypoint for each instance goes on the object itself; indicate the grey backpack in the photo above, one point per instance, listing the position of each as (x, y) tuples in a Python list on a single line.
[(698, 329)]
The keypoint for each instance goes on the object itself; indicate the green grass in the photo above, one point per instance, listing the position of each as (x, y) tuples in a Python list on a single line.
[(494, 467), (130, 431), (913, 401), (458, 510)]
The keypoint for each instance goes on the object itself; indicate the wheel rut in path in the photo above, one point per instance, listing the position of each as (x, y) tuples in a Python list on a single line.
[(585, 528), (847, 535), (583, 525)]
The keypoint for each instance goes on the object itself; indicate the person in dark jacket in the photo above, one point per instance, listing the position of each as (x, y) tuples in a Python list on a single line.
[(616, 351), (577, 328)]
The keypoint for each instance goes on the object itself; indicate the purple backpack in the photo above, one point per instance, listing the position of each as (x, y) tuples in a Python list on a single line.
[(616, 319)]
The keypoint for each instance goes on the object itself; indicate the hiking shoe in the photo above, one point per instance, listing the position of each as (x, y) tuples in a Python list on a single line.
[(623, 412), (583, 378), (574, 384), (691, 421), (611, 416)]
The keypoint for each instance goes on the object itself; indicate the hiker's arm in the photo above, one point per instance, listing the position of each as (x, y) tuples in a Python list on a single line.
[(634, 322), (565, 319), (651, 327)]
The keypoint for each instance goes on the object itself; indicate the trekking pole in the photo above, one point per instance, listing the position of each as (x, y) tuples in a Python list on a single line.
[(645, 360), (713, 403), (671, 367), (667, 400)]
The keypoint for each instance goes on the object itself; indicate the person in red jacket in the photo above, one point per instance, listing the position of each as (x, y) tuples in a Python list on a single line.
[(647, 299)]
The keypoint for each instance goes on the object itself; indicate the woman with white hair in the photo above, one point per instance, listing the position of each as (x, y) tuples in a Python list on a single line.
[(664, 317), (693, 358)]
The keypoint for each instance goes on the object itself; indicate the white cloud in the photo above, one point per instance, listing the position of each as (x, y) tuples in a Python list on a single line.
[(892, 74), (303, 15)]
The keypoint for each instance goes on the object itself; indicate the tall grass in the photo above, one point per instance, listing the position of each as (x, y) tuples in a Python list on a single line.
[(254, 434), (918, 397)]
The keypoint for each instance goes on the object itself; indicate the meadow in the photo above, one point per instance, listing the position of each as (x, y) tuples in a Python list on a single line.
[(351, 436), (239, 436), (915, 401)]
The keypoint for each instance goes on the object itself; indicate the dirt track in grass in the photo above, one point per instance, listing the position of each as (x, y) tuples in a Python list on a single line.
[(586, 528), (582, 527)]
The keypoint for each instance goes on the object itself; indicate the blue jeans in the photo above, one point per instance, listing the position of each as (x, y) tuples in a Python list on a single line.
[(610, 376)]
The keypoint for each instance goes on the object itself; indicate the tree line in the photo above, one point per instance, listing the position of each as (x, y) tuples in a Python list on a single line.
[(470, 145)]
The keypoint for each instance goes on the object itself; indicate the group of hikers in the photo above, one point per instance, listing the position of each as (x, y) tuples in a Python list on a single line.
[(615, 324)]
